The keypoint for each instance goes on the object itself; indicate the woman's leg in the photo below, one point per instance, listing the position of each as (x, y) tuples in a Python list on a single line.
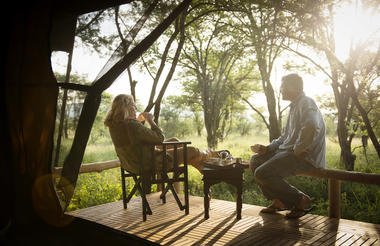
[(173, 139), (195, 156)]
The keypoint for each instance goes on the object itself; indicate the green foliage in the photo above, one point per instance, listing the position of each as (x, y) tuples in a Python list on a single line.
[(174, 122), (98, 129), (244, 126), (214, 73), (360, 201), (97, 188), (91, 33)]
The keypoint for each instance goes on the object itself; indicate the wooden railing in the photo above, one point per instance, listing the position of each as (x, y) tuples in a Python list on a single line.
[(334, 177), (92, 167)]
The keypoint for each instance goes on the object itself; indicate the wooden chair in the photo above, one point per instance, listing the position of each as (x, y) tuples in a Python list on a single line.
[(161, 177)]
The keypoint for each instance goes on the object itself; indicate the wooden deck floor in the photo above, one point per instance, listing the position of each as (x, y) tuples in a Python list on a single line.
[(170, 226)]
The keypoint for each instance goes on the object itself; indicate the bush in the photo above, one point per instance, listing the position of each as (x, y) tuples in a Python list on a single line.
[(97, 188)]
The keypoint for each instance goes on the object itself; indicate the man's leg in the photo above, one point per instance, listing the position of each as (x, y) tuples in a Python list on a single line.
[(255, 162), (258, 160), (270, 175)]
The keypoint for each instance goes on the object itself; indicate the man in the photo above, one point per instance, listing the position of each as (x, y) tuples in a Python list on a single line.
[(300, 149)]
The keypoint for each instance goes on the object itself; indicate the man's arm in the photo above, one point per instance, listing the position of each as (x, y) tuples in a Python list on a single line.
[(277, 142), (309, 128)]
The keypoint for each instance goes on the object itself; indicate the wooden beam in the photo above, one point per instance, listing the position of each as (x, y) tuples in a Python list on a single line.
[(72, 86)]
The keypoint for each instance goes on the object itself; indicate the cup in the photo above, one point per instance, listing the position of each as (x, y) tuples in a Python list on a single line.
[(238, 160), (140, 116), (223, 154)]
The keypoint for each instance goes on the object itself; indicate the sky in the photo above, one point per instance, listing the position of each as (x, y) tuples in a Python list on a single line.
[(351, 23)]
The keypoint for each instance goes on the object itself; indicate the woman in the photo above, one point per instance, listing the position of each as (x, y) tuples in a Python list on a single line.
[(132, 140)]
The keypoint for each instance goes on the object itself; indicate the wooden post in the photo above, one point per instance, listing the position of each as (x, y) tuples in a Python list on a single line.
[(177, 185), (334, 198)]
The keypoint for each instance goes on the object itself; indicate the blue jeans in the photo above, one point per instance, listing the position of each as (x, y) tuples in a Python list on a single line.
[(270, 170)]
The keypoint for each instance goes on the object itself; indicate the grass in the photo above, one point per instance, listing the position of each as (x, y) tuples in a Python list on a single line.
[(359, 202)]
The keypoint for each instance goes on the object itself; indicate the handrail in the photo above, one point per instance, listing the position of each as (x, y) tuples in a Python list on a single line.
[(334, 177), (364, 178), (92, 167)]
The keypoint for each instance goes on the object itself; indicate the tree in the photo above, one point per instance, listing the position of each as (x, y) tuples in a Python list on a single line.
[(174, 121), (98, 129), (190, 104), (348, 78), (262, 24), (213, 63)]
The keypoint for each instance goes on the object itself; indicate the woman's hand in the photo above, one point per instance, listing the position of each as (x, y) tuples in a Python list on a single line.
[(148, 117)]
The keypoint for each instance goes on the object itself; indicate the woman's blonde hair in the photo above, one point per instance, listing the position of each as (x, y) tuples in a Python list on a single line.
[(119, 109)]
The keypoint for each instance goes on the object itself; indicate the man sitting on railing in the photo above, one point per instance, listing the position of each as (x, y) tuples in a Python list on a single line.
[(132, 140), (301, 148)]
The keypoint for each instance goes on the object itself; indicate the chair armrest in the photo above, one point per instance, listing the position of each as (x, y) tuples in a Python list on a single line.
[(175, 142)]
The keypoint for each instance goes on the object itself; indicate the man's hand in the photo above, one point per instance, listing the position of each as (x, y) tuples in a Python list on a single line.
[(259, 149)]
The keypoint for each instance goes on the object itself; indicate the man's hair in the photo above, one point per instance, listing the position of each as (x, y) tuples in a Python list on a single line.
[(293, 81)]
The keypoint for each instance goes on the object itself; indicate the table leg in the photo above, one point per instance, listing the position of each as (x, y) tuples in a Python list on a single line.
[(239, 201), (206, 190)]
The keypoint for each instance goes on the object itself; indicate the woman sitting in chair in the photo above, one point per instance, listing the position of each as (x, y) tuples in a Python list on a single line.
[(132, 140)]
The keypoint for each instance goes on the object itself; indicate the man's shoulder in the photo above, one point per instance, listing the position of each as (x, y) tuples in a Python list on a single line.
[(307, 102)]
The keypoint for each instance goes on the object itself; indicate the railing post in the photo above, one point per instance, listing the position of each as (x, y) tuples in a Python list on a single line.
[(334, 198)]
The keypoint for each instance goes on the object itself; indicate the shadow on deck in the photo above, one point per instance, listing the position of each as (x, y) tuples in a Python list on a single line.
[(170, 226)]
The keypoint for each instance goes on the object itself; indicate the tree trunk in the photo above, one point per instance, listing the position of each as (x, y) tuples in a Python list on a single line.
[(63, 111), (363, 113), (342, 100), (212, 125), (66, 128), (198, 123), (274, 127)]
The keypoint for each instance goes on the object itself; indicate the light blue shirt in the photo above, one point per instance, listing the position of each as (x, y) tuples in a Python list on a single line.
[(304, 131)]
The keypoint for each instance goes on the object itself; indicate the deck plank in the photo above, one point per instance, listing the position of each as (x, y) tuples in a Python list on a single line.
[(170, 226)]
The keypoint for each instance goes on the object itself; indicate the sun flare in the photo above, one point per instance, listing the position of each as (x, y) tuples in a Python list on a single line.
[(354, 23)]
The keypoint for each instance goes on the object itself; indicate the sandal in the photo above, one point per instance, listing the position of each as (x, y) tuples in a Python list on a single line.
[(296, 213)]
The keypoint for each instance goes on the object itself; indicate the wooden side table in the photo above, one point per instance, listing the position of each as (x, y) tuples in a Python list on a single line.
[(231, 175)]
